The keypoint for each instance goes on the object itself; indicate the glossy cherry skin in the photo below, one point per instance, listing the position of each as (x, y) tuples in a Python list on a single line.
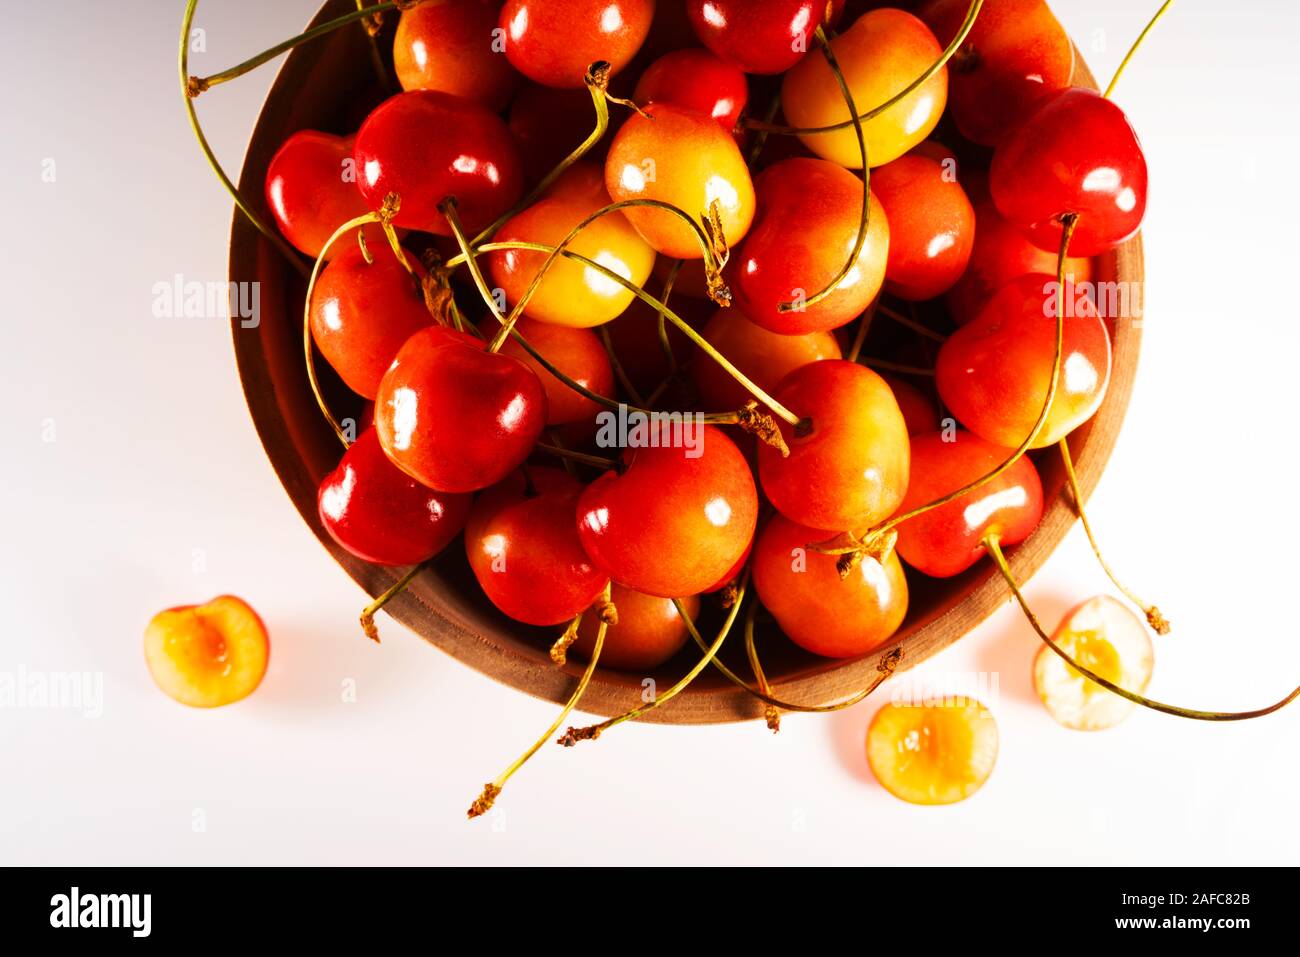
[(451, 46), (760, 36), (765, 357), (672, 524), (809, 211), (881, 54), (455, 416), (819, 611), (919, 410), (424, 146), (382, 515), (524, 549), (648, 633), (697, 80), (578, 353), (554, 43), (1016, 52), (931, 226), (362, 313), (572, 294), (850, 469), (950, 539), (686, 159), (1077, 153), (1000, 254), (311, 191), (994, 372)]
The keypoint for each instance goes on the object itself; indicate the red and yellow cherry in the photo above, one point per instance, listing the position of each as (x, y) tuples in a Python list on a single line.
[(549, 124), (994, 373), (382, 515), (809, 213), (554, 43), (920, 411), (931, 226), (578, 353), (311, 190), (848, 462), (678, 517), (1110, 641), (454, 416), (524, 549), (819, 611), (933, 753), (765, 357), (1076, 153), (571, 293), (649, 631), (1016, 52), (696, 80), (210, 655), (947, 540), (426, 146), (1000, 254), (451, 46), (880, 55), (761, 36), (362, 313), (685, 159)]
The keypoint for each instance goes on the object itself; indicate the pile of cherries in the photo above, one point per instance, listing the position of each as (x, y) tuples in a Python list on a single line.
[(755, 231)]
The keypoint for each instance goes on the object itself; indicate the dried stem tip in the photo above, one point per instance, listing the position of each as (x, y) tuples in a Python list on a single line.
[(1159, 623), (368, 626), (763, 426), (574, 735), (773, 718), (483, 803), (195, 85)]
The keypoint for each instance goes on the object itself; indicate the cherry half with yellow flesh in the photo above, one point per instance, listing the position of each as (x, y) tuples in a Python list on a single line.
[(932, 754), (454, 416), (209, 655)]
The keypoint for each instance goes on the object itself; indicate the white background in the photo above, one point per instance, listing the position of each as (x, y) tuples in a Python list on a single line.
[(154, 458)]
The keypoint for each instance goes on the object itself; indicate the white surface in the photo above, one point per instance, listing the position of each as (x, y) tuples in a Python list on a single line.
[(155, 492)]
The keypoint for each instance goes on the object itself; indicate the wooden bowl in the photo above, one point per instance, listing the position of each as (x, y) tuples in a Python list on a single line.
[(329, 85)]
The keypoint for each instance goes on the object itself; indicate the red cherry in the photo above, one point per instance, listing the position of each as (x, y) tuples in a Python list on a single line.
[(946, 541), (524, 549), (426, 146), (449, 46), (649, 631), (919, 410), (849, 469), (677, 520), (362, 313), (578, 353), (760, 36), (931, 226), (994, 372), (549, 124), (382, 515), (311, 190), (696, 80), (765, 357), (814, 607), (455, 416), (1077, 153), (635, 337), (555, 43), (1016, 51), (809, 211), (1002, 253)]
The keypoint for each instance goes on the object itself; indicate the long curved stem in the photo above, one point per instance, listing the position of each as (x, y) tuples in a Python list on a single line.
[(1119, 71), (368, 613), (994, 548)]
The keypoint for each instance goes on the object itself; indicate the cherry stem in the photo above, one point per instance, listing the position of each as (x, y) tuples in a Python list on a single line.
[(864, 326), (574, 735), (664, 342), (619, 372), (198, 85), (995, 549), (560, 650), (493, 789), (772, 713), (571, 456), (910, 323), (368, 613), (886, 366), (373, 23), (188, 94), (1114, 80), (902, 94), (864, 216), (864, 542), (1158, 622), (885, 668)]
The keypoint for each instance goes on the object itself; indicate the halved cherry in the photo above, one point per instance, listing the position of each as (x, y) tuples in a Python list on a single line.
[(933, 754)]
